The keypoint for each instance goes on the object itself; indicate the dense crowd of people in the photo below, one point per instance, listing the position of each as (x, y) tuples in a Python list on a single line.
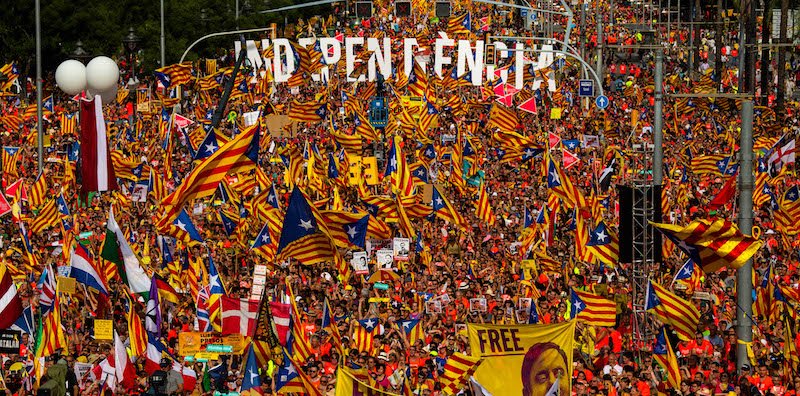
[(475, 271)]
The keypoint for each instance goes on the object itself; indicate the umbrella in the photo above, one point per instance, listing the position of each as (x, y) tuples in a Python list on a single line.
[(383, 275)]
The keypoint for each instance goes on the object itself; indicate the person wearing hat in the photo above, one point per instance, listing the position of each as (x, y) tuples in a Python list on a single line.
[(172, 380)]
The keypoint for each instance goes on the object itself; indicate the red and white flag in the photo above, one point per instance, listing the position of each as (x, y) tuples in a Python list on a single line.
[(10, 303), (5, 208), (528, 105), (126, 374), (282, 317), (569, 159), (97, 172), (16, 190), (239, 316), (553, 139), (105, 372)]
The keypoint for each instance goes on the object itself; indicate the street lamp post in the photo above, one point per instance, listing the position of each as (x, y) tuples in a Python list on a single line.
[(80, 54), (131, 40)]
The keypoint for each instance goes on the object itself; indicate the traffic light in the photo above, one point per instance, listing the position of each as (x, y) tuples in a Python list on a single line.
[(489, 55), (442, 9), (402, 8), (364, 9)]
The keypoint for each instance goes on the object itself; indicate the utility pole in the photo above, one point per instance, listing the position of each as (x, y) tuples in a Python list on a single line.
[(599, 21), (744, 280), (39, 123)]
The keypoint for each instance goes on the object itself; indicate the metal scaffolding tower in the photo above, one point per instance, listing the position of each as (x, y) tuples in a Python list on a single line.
[(646, 200)]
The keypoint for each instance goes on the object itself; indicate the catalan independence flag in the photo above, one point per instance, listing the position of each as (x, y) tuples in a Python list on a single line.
[(308, 111), (397, 169), (715, 164), (482, 207), (174, 75), (672, 310), (364, 332), (444, 210), (712, 244), (604, 244), (69, 123), (503, 118), (457, 371), (240, 153), (592, 309), (461, 24), (690, 275), (305, 235), (665, 356)]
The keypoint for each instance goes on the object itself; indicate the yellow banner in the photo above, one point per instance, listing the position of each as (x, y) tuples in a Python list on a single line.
[(523, 360), (192, 343)]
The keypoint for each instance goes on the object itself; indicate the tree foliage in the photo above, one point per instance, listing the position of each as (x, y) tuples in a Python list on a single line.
[(102, 25)]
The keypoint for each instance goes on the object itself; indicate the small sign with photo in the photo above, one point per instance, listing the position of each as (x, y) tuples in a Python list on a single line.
[(522, 316), (477, 305), (400, 248), (525, 303), (384, 258), (461, 329), (433, 307), (359, 263)]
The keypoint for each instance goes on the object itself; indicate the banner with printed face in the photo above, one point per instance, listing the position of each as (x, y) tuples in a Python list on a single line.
[(523, 360)]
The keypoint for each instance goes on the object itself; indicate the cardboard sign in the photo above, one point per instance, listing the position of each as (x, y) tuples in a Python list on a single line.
[(190, 343), (400, 248), (359, 263), (384, 258), (65, 285), (555, 113), (103, 329)]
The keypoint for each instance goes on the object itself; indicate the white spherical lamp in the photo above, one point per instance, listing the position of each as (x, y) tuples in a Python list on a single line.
[(102, 74), (109, 96), (71, 77)]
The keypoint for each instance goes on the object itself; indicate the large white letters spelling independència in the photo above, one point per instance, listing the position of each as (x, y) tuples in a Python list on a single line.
[(468, 57)]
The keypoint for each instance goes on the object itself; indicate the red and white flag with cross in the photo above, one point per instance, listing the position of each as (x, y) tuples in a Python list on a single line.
[(239, 316)]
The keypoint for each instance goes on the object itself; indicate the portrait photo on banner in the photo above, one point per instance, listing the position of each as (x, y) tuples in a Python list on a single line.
[(523, 360)]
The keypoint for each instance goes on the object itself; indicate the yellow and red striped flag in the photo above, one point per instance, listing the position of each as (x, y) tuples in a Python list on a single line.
[(604, 244), (672, 310), (482, 207), (708, 164), (308, 111), (69, 123), (9, 158), (239, 153), (136, 332), (397, 168), (444, 210), (712, 244), (38, 191), (592, 309), (503, 118), (665, 356), (457, 371), (174, 75), (52, 338), (461, 24), (47, 217), (364, 333)]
